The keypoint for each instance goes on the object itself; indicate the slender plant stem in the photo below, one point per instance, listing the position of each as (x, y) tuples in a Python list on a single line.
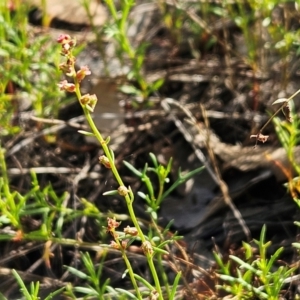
[(130, 271), (128, 199), (88, 103), (279, 109)]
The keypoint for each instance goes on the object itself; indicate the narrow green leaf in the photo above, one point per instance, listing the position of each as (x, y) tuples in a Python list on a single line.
[(144, 282), (132, 168), (55, 293), (273, 258), (77, 273), (243, 264), (130, 89), (109, 193), (86, 133), (88, 291), (22, 285), (175, 285), (162, 251), (141, 194), (127, 293), (154, 159)]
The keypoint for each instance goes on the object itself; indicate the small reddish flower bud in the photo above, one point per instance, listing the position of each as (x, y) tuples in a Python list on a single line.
[(112, 224), (63, 38), (123, 190), (65, 68), (124, 244), (147, 248), (114, 245), (71, 60), (84, 71), (66, 86), (67, 43), (131, 231), (104, 161)]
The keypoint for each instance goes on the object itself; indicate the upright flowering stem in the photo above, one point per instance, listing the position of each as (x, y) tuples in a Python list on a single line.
[(88, 103), (128, 199)]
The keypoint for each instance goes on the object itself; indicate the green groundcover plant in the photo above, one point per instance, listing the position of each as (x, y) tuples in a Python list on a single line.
[(150, 248), (254, 276), (25, 67), (27, 77)]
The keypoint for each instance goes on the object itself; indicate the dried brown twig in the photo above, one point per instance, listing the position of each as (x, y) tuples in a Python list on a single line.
[(285, 108), (223, 186)]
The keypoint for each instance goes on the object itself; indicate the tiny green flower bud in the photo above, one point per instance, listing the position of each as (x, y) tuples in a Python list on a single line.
[(122, 190), (147, 248), (89, 101), (104, 161), (84, 100), (93, 101)]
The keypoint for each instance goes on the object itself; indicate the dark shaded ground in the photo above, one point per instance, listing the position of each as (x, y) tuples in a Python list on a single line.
[(235, 97)]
